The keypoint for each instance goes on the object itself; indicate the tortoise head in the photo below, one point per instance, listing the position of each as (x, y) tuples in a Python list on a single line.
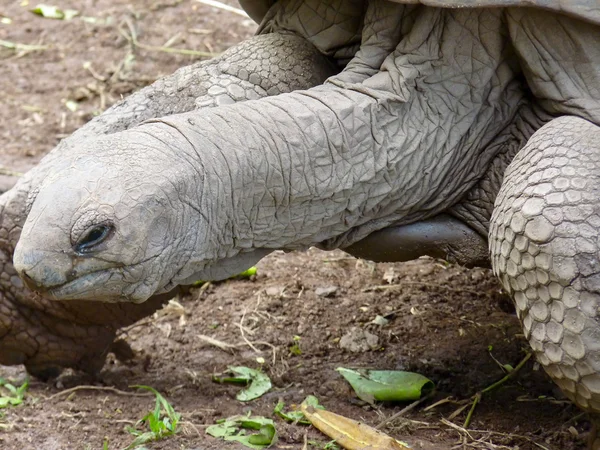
[(97, 225)]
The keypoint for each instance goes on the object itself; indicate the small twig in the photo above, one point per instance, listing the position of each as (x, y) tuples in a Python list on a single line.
[(250, 344), (172, 40), (403, 411), (574, 419), (477, 397), (98, 388), (246, 340), (224, 7), (128, 422), (457, 428), (495, 433), (187, 423), (438, 403), (458, 411), (225, 346), (88, 66), (509, 375), (305, 445)]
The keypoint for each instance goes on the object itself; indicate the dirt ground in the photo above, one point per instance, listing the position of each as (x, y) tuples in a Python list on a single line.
[(445, 322)]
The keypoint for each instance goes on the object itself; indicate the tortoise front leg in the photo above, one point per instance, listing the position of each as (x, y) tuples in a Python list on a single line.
[(545, 250)]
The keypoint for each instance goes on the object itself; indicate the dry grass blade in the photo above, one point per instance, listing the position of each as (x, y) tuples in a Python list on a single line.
[(9, 172), (467, 433), (225, 346), (97, 388), (22, 47), (403, 411), (224, 7), (132, 39), (440, 402)]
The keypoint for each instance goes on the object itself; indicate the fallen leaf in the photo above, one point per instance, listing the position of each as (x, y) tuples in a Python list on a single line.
[(236, 428), (348, 433), (297, 416), (54, 12), (258, 383), (386, 385)]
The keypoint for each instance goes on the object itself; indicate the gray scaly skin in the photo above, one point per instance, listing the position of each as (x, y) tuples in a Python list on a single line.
[(48, 335), (325, 166), (431, 99)]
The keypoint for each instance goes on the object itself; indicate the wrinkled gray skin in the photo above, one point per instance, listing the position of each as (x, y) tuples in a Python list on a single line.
[(418, 126)]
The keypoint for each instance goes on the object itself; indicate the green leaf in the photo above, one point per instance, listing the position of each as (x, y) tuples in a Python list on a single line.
[(160, 427), (245, 274), (142, 439), (53, 12), (22, 389), (313, 401), (386, 385), (508, 368), (259, 383), (297, 416), (15, 395), (236, 429), (290, 416)]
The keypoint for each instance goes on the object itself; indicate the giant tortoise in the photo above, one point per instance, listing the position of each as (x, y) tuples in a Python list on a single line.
[(366, 126)]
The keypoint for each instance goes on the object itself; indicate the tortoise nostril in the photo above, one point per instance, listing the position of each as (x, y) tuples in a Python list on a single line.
[(27, 279), (26, 275)]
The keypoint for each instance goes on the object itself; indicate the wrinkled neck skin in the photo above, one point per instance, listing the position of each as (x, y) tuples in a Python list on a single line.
[(203, 195)]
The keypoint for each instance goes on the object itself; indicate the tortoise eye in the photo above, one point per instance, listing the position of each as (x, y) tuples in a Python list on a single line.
[(93, 238)]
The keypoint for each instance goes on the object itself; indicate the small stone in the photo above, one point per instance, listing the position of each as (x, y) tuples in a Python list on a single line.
[(274, 291), (326, 291), (380, 320), (358, 340)]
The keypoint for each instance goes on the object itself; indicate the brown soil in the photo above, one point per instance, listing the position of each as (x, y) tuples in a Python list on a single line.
[(442, 319)]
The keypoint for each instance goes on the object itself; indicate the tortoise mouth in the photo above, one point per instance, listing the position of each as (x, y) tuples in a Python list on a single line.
[(87, 287)]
